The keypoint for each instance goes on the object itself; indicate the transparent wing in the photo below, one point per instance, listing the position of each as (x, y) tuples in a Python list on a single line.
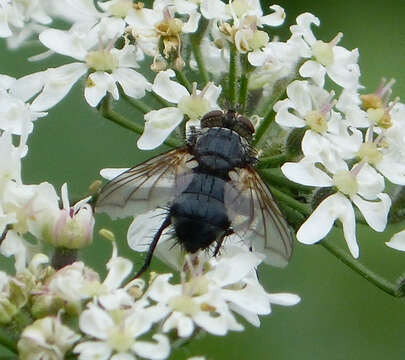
[(146, 186), (256, 217)]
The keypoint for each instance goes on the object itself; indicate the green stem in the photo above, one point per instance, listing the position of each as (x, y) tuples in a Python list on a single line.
[(271, 161), (362, 270), (268, 119), (7, 341), (233, 67), (108, 113), (290, 201), (244, 82), (182, 79), (196, 48), (137, 104), (378, 281), (97, 6)]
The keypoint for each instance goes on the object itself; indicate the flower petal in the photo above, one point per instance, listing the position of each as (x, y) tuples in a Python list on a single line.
[(168, 89), (155, 351), (274, 19), (90, 350), (99, 83), (375, 212), (143, 228), (158, 126), (318, 225), (133, 83), (305, 172), (95, 322), (397, 242)]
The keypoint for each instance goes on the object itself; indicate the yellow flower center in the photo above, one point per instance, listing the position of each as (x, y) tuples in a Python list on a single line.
[(345, 182), (370, 151), (323, 52), (184, 304), (316, 121), (194, 106), (101, 60)]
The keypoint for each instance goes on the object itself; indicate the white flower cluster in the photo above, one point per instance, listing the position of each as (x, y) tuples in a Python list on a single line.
[(344, 144)]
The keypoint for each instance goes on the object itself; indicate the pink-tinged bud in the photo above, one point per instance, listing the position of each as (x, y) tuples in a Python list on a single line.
[(72, 229)]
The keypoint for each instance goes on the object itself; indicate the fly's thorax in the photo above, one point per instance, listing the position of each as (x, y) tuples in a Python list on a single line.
[(220, 150)]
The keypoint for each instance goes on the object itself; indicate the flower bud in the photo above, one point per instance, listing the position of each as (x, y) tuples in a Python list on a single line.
[(46, 338), (71, 230)]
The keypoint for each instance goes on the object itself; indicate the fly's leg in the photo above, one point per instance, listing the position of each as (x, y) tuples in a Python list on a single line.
[(221, 240), (152, 247)]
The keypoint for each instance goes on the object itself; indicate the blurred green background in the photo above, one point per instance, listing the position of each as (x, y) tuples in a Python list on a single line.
[(341, 316)]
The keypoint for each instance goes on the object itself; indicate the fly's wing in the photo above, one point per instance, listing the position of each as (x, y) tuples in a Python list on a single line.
[(148, 185), (256, 217)]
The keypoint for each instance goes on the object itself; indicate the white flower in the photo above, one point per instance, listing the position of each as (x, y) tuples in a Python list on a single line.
[(362, 185), (17, 15), (46, 338), (311, 106), (77, 282), (208, 298), (16, 116), (339, 63), (160, 123), (277, 60), (107, 65), (116, 333)]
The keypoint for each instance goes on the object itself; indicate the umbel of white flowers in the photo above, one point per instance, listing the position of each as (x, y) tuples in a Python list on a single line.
[(334, 148)]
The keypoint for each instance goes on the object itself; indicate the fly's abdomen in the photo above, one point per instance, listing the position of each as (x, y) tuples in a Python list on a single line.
[(198, 214)]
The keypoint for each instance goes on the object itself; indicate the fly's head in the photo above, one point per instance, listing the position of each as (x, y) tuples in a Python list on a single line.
[(230, 120)]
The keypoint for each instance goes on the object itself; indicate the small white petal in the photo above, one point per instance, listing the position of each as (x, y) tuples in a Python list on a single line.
[(143, 228), (182, 323), (393, 171), (123, 356), (63, 42), (27, 86), (318, 225), (155, 351), (158, 126), (118, 269), (57, 83), (305, 172), (303, 27), (375, 212), (213, 9), (370, 182), (91, 350), (133, 83), (168, 89), (95, 322), (313, 70), (300, 95), (284, 299), (285, 118), (212, 94), (397, 242), (192, 23), (110, 173), (274, 19), (101, 82)]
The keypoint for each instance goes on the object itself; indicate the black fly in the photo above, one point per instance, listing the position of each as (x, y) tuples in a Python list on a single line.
[(212, 191)]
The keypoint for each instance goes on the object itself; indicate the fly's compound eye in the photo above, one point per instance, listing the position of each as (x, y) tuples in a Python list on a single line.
[(212, 119), (244, 127)]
